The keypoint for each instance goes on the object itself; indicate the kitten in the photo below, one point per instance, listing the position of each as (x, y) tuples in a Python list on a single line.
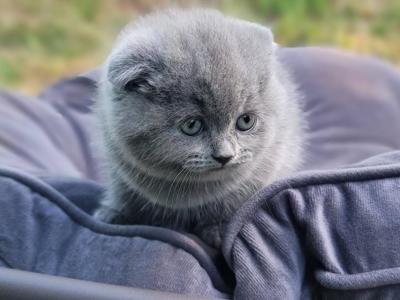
[(196, 115)]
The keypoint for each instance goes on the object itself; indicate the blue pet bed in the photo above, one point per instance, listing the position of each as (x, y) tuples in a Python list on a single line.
[(329, 231)]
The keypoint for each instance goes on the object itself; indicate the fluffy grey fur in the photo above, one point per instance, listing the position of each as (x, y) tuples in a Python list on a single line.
[(168, 68)]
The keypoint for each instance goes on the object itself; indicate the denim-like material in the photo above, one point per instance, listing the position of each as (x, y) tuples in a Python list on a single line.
[(323, 234), (43, 231), (327, 234)]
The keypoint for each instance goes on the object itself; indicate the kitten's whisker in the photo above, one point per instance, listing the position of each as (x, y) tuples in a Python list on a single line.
[(172, 184)]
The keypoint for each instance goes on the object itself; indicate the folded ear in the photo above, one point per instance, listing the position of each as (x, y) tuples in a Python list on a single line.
[(139, 83), (134, 69), (259, 34), (266, 35)]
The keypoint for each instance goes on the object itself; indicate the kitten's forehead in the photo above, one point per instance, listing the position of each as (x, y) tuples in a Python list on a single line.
[(219, 94), (211, 75), (215, 101)]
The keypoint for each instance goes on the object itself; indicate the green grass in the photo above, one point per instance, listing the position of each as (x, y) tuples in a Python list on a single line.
[(43, 40)]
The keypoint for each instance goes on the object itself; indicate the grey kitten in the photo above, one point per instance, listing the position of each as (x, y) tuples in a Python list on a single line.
[(196, 115)]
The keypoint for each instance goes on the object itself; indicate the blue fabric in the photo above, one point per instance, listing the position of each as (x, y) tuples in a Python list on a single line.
[(326, 234), (330, 231), (42, 231)]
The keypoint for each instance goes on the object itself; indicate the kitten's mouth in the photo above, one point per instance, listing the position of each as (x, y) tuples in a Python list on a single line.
[(214, 170), (222, 167)]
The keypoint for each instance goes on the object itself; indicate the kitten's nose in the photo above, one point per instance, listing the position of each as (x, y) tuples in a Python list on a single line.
[(223, 160)]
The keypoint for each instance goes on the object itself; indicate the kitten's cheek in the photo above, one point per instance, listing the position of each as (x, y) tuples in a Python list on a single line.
[(271, 134)]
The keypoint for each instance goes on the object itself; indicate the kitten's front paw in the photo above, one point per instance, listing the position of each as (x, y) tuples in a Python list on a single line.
[(107, 215)]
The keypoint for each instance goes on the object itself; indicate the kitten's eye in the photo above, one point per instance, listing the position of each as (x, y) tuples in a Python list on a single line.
[(192, 126), (245, 122)]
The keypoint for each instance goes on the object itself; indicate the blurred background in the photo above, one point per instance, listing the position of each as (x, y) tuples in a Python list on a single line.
[(43, 40)]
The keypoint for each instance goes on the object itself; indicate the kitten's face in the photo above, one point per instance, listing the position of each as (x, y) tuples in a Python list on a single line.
[(192, 105)]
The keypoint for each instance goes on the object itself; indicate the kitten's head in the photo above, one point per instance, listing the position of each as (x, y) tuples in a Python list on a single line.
[(195, 96)]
